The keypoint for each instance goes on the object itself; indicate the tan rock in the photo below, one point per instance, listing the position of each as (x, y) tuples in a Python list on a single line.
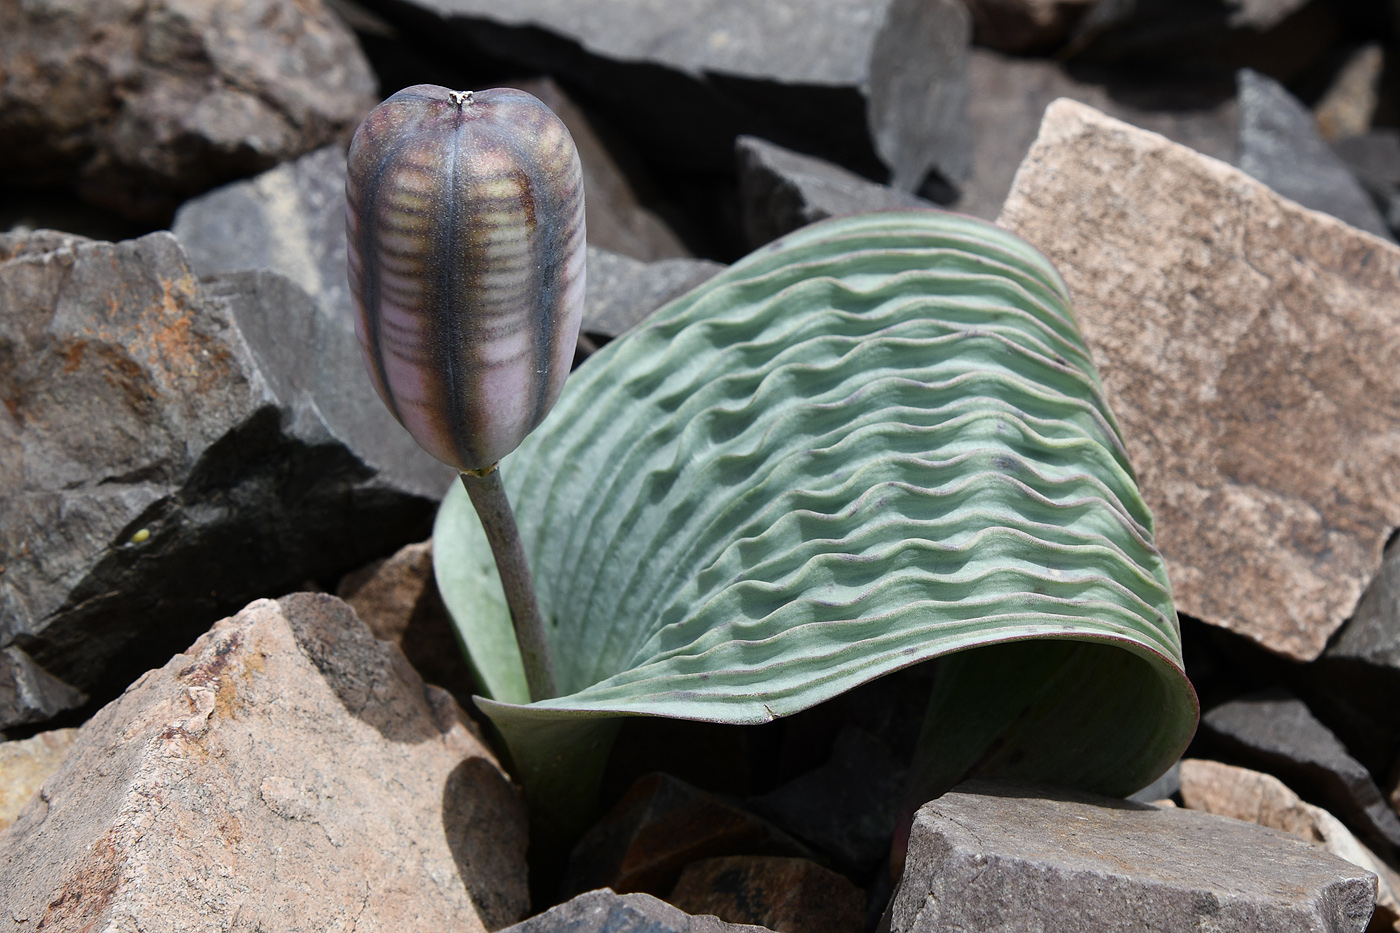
[(289, 772), (1250, 349), (387, 593), (398, 599), (1248, 795), (1350, 103), (25, 765)]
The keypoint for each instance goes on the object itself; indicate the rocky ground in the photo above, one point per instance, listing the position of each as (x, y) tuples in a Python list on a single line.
[(230, 695)]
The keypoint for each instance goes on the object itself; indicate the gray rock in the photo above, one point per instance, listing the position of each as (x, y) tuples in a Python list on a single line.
[(1355, 686), (1008, 97), (30, 694), (287, 772), (1280, 146), (622, 291), (781, 190), (308, 354), (1001, 857), (875, 85), (290, 220), (603, 911), (1372, 635), (172, 449), (846, 808), (1274, 731), (141, 105), (1374, 158)]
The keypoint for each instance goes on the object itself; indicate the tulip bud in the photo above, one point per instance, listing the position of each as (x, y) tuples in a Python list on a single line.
[(466, 259)]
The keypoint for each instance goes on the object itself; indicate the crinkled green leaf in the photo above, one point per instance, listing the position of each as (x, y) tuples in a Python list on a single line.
[(877, 441)]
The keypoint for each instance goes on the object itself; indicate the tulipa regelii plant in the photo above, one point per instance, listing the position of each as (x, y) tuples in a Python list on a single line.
[(466, 242), (878, 441)]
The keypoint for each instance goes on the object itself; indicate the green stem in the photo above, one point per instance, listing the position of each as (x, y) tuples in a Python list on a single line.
[(489, 498)]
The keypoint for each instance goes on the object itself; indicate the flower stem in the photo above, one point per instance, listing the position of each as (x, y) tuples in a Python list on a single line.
[(489, 498)]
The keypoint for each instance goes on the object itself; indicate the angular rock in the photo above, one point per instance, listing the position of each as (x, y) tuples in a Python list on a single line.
[(1355, 686), (1280, 145), (790, 895), (1276, 732), (659, 827), (603, 911), (25, 765), (781, 190), (615, 217), (285, 729), (1251, 353), (171, 449), (621, 291), (386, 594), (846, 808), (1242, 794), (1374, 158), (398, 599), (30, 694), (1008, 97), (142, 105), (289, 220), (1003, 856), (875, 85), (1023, 26)]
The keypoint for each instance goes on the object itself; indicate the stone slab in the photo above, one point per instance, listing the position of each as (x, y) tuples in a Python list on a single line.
[(1254, 797), (999, 857)]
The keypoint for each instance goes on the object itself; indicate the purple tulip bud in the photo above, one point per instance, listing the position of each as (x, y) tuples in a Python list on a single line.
[(465, 222)]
